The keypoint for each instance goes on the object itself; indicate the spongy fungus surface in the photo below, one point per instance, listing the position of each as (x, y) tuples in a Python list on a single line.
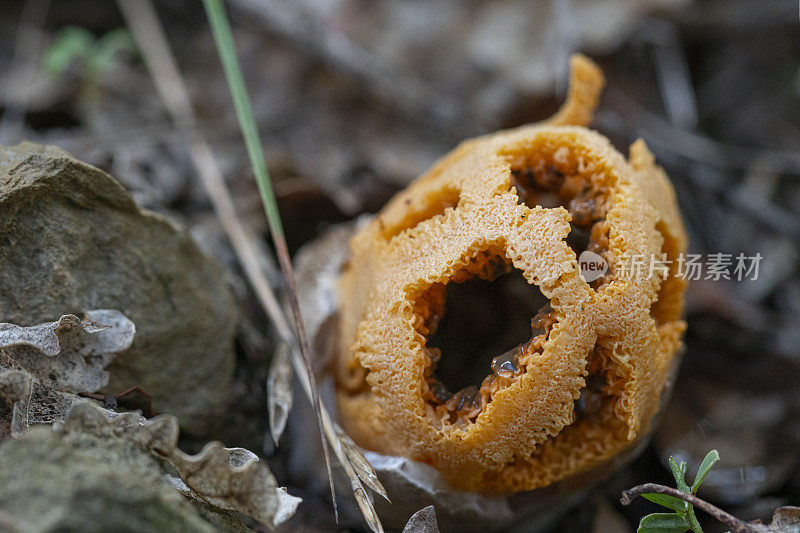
[(588, 381)]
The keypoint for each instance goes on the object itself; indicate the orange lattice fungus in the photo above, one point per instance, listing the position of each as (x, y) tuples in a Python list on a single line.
[(588, 379)]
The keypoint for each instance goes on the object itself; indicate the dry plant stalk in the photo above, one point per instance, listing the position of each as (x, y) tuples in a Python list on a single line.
[(149, 34)]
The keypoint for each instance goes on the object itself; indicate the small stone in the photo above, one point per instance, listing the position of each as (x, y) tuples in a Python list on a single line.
[(71, 239)]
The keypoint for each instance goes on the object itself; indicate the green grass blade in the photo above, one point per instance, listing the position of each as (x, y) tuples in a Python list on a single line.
[(223, 37), (233, 73)]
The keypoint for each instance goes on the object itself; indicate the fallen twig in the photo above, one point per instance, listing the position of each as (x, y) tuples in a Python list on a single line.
[(736, 525)]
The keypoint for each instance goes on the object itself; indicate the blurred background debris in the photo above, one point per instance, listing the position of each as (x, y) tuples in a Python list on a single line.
[(356, 98)]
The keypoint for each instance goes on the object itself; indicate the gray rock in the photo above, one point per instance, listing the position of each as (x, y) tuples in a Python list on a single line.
[(71, 239), (77, 481)]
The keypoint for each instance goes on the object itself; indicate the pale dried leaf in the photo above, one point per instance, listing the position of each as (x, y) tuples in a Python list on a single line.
[(785, 520), (161, 436), (42, 405), (225, 478), (414, 485), (287, 505), (57, 359), (115, 331), (69, 354), (234, 479), (423, 521), (279, 390), (42, 336), (87, 416)]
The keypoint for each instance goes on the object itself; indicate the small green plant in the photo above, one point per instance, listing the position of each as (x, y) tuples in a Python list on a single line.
[(79, 44), (683, 501), (682, 517), (96, 55)]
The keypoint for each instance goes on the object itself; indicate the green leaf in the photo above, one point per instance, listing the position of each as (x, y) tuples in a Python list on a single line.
[(107, 47), (711, 458), (679, 473), (663, 523), (71, 43), (671, 502)]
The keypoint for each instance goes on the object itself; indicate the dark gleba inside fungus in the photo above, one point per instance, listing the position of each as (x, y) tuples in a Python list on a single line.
[(478, 340), (544, 186), (595, 395)]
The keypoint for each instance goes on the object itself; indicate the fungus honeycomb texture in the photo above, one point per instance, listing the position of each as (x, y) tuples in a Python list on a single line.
[(588, 382)]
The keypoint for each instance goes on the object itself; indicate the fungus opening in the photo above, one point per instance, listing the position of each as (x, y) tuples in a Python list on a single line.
[(480, 332), (546, 186), (599, 396), (419, 210), (667, 306), (590, 402)]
